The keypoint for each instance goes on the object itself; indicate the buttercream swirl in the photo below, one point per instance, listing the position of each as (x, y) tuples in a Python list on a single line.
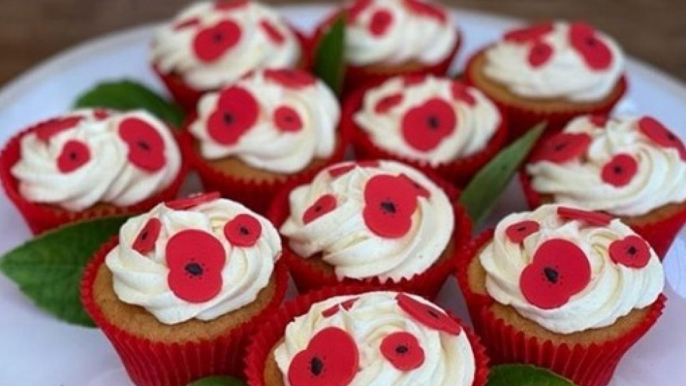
[(475, 124), (344, 240), (107, 174), (565, 74), (448, 359), (256, 36), (614, 289), (266, 145), (142, 279), (658, 179), (393, 32)]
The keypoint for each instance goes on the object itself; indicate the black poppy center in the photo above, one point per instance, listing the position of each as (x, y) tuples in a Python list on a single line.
[(521, 228), (551, 274), (590, 41), (433, 314), (143, 145), (316, 366), (228, 118), (632, 250), (243, 230), (144, 235), (318, 208), (194, 269), (388, 206), (218, 37), (560, 146), (671, 137), (401, 349), (617, 169), (73, 156), (433, 122)]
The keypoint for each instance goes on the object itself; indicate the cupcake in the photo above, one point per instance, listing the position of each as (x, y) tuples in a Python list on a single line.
[(629, 167), (378, 222), (342, 336), (428, 122), (384, 38), (181, 288), (269, 128), (550, 72), (90, 163), (210, 44), (562, 288)]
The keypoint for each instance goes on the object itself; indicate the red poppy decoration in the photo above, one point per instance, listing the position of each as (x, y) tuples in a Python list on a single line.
[(403, 350), (599, 120), (426, 9), (461, 93), (519, 231), (418, 188), (145, 241), (272, 32), (73, 156), (356, 9), (523, 35), (322, 206), (427, 315), (212, 42), (559, 270), (413, 79), (539, 54), (287, 119), (339, 170), (193, 200), (562, 147), (146, 146), (589, 217), (389, 206), (380, 22), (48, 129), (595, 52), (426, 125), (243, 230), (333, 310), (659, 134), (620, 170), (101, 114), (632, 251), (236, 113), (388, 102), (195, 259), (183, 24), (229, 5), (290, 78), (330, 359)]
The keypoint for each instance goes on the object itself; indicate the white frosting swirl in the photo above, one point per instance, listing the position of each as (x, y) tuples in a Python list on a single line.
[(566, 75), (614, 289), (657, 182), (266, 147), (142, 279), (411, 36), (346, 242), (449, 359), (107, 177), (172, 49), (475, 125)]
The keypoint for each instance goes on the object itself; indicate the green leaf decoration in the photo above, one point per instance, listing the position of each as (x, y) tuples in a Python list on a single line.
[(329, 64), (524, 375), (218, 381), (48, 269), (127, 95), (484, 190)]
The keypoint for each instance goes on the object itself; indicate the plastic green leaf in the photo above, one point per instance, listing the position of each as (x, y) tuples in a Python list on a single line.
[(482, 193), (329, 64), (127, 95), (524, 375), (48, 269)]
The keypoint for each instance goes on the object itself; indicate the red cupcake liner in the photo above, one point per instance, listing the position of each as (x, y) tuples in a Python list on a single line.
[(150, 363), (458, 172), (659, 233), (43, 217), (358, 76), (586, 365), (521, 120), (187, 96), (427, 284), (255, 194), (272, 331)]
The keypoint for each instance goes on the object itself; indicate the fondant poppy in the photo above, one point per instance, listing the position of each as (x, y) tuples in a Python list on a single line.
[(631, 251), (388, 102), (290, 78), (589, 217), (562, 147), (389, 206), (428, 315), (519, 231), (47, 130), (322, 206), (243, 230), (620, 170), (272, 32), (594, 51), (145, 144), (539, 54), (147, 236), (212, 42), (287, 119), (403, 350), (236, 113), (333, 310), (192, 200), (659, 134), (425, 126), (380, 22), (73, 156), (330, 359), (460, 92)]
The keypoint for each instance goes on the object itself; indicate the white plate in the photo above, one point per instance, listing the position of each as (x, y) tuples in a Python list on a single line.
[(36, 349)]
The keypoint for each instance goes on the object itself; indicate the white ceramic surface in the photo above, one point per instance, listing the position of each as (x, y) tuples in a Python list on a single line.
[(36, 349)]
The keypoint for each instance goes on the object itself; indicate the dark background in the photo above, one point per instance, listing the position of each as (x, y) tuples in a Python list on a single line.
[(33, 30)]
